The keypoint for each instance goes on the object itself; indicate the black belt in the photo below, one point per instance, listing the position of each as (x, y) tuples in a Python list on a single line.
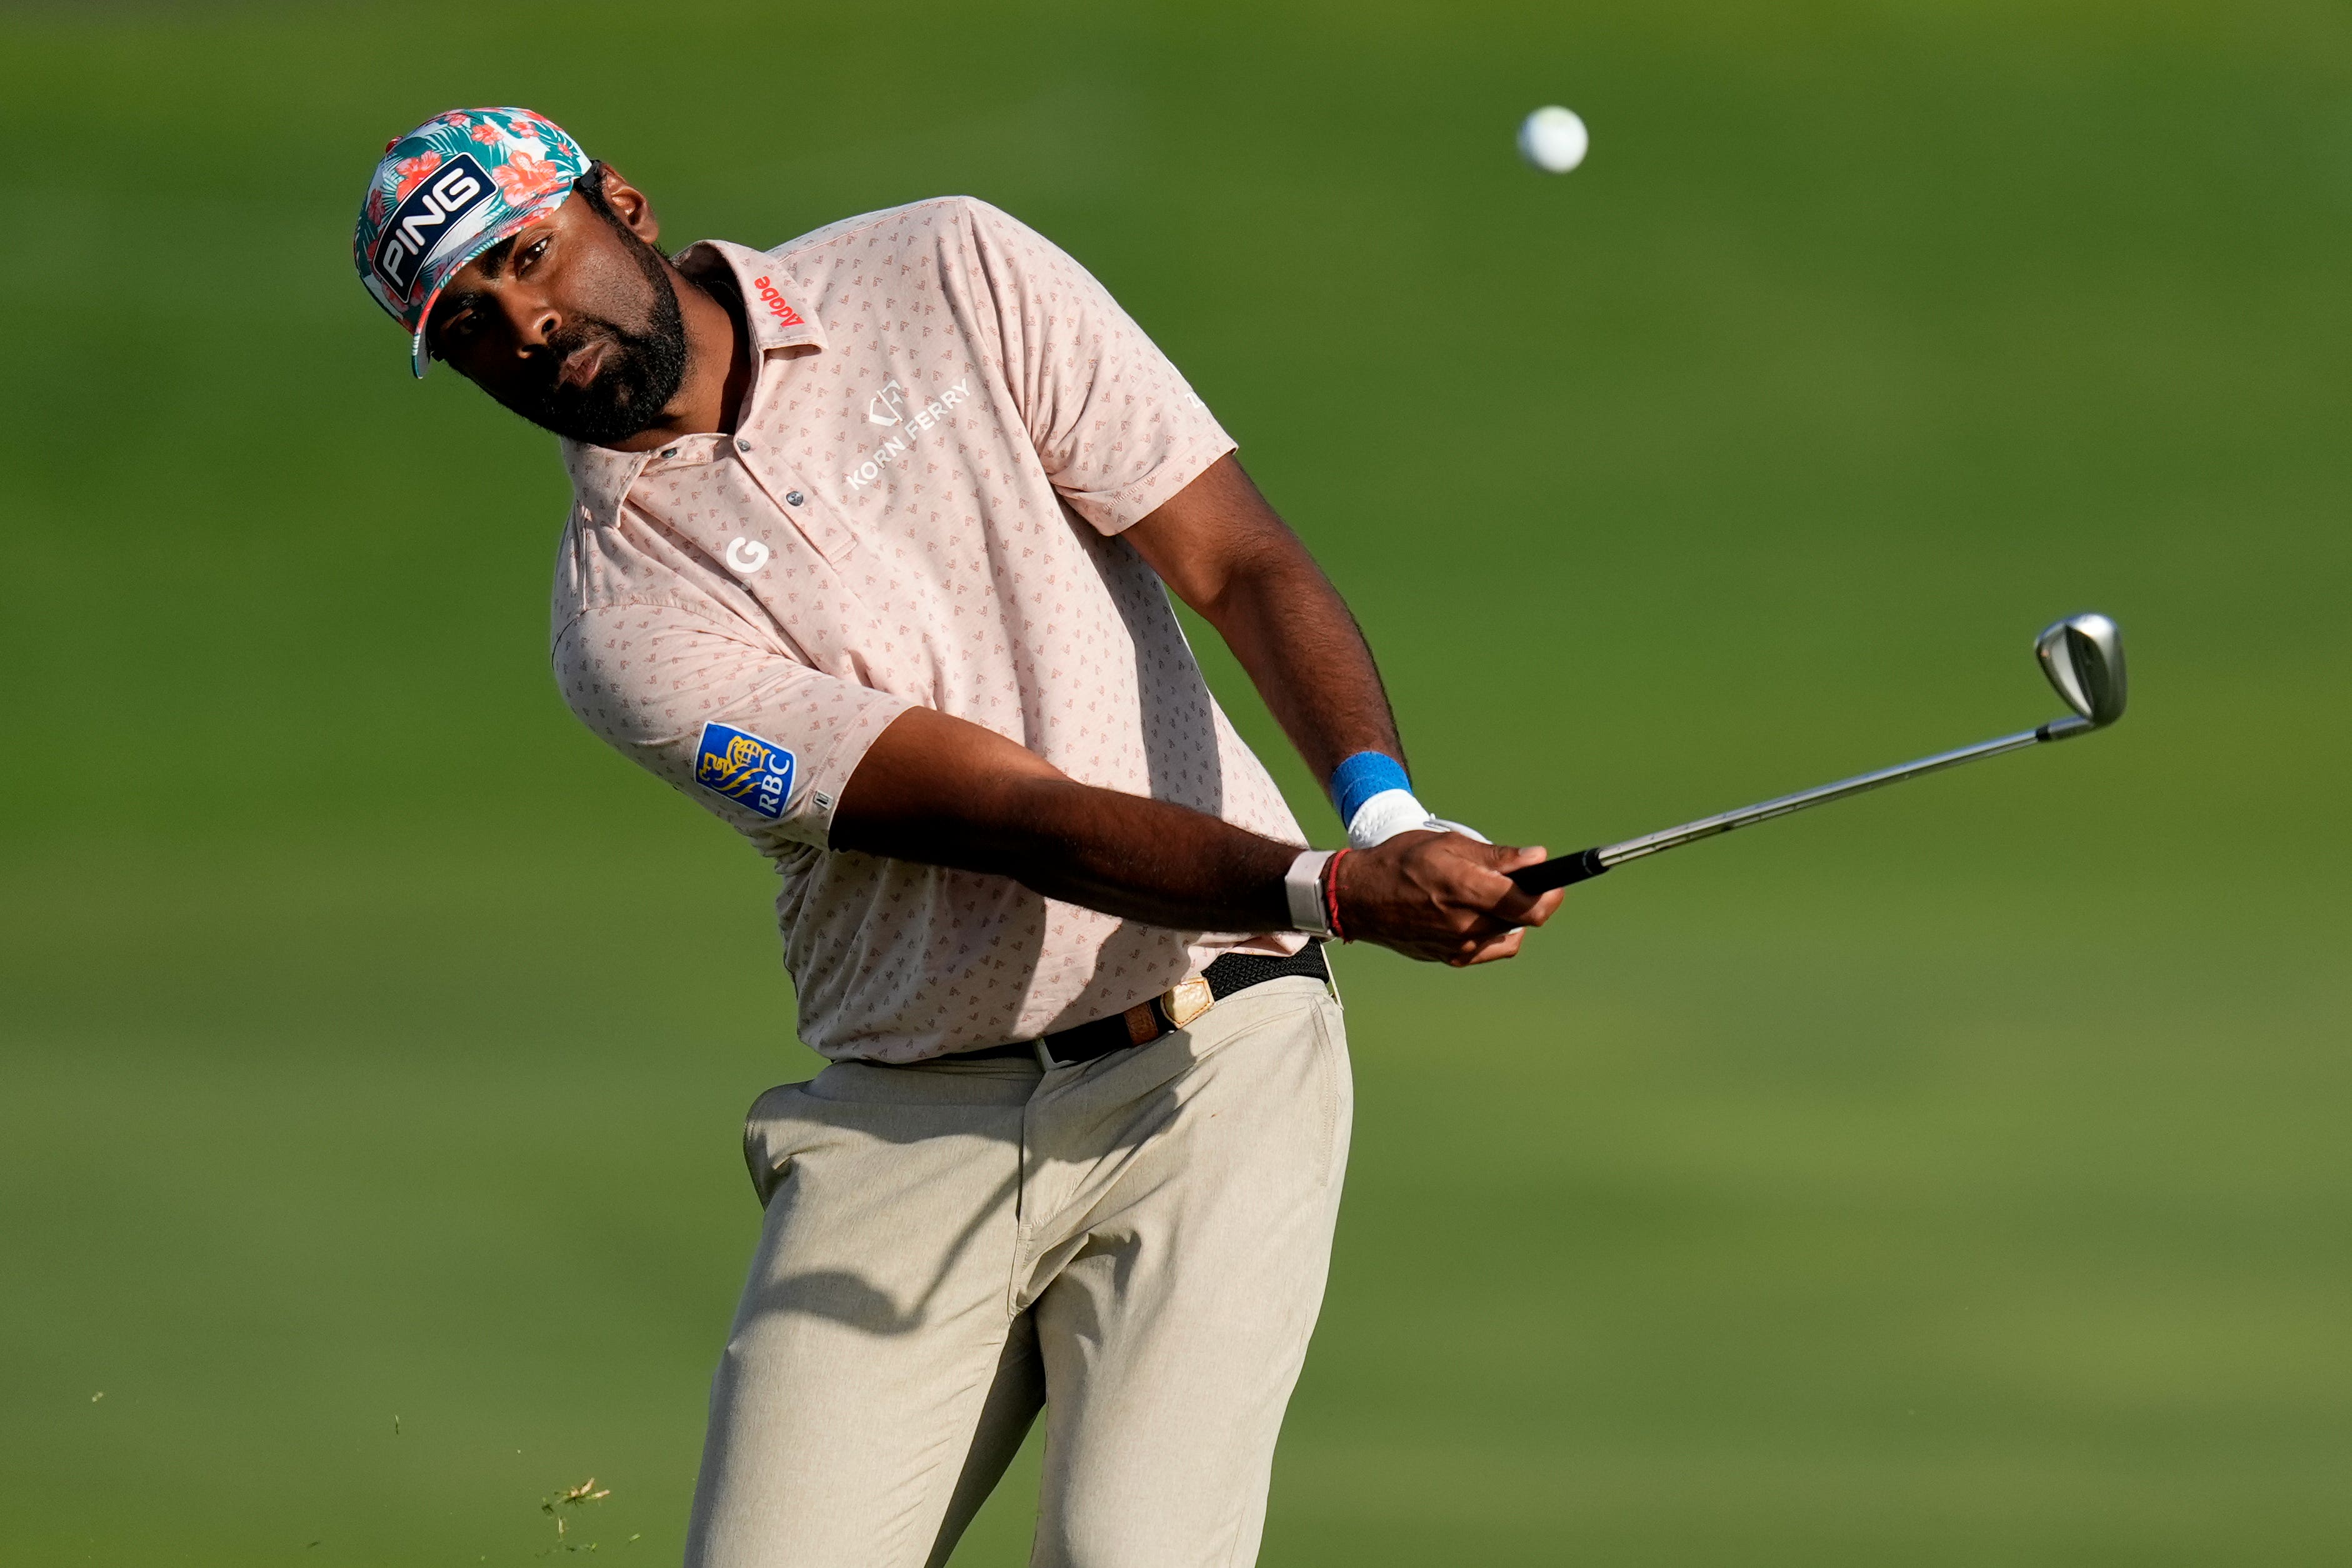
[(1164, 1014)]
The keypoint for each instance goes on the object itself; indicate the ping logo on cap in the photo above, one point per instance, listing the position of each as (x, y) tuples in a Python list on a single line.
[(452, 206), (753, 773)]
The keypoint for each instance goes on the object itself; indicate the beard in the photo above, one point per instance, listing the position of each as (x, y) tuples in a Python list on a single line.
[(643, 368)]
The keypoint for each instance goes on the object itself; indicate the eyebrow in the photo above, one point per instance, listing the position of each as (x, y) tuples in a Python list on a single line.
[(494, 260), (455, 301)]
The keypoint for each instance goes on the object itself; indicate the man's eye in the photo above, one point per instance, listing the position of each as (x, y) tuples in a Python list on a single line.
[(531, 255), (459, 327)]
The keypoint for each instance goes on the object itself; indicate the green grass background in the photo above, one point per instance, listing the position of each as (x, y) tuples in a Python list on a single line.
[(1956, 1177)]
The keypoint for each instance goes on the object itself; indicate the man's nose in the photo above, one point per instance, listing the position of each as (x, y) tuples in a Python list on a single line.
[(533, 320)]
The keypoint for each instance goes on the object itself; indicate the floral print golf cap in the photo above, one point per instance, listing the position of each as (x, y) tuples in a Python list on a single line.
[(445, 193)]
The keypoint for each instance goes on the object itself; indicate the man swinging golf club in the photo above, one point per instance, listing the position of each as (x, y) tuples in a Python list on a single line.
[(866, 554)]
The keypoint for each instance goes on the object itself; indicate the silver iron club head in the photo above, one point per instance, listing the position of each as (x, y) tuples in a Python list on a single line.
[(2084, 657)]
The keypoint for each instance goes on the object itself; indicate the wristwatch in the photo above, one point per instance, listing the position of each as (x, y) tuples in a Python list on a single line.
[(1303, 885)]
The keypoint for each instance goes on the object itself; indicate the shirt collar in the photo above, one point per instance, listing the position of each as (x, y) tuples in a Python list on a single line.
[(773, 301), (601, 476)]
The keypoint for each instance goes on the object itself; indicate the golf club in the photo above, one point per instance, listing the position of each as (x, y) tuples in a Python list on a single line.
[(2084, 657)]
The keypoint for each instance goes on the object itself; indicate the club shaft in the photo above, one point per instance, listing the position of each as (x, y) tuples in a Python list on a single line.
[(1591, 863), (1764, 811)]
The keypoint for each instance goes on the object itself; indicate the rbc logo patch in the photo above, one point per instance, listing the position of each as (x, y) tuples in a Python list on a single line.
[(747, 770)]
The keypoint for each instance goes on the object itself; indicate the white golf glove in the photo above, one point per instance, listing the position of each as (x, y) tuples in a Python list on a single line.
[(1394, 812)]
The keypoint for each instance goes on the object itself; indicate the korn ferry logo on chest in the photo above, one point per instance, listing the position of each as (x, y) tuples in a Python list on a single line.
[(890, 407), (753, 773)]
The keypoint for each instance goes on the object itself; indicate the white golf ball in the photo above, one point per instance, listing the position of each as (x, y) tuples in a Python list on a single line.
[(1553, 138)]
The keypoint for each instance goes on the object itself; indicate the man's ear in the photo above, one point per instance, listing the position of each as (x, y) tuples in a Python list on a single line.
[(631, 206)]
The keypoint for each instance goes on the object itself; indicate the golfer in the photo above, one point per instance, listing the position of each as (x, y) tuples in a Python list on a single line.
[(868, 552)]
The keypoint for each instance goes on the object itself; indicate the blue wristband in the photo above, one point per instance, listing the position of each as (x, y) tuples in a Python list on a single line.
[(1363, 775)]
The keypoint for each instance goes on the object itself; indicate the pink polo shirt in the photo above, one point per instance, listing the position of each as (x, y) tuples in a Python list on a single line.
[(951, 424)]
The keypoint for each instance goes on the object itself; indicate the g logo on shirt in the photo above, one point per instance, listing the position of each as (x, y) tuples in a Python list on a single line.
[(755, 774), (745, 557)]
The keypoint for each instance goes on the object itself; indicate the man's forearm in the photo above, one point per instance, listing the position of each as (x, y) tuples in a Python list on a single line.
[(1225, 551), (945, 791), (1308, 659), (1126, 855), (1011, 815)]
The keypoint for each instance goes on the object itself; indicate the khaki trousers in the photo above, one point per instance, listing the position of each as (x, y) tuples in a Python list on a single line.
[(1138, 1244)]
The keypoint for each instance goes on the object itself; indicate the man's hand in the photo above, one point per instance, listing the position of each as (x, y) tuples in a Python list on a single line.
[(1443, 898)]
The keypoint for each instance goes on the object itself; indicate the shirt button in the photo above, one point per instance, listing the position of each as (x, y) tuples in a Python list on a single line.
[(669, 451), (741, 445), (793, 498), (584, 515)]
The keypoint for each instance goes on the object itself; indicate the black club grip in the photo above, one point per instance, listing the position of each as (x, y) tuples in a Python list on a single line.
[(1564, 871)]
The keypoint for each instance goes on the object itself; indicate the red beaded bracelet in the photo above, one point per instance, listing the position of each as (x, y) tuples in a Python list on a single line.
[(1331, 892)]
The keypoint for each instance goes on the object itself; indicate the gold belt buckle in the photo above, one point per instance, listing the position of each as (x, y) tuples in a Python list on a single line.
[(1187, 999)]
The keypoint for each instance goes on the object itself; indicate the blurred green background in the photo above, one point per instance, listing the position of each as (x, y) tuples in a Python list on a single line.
[(1958, 1177)]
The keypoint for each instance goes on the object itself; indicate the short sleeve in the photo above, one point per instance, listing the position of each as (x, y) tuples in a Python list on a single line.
[(758, 738), (1116, 426)]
